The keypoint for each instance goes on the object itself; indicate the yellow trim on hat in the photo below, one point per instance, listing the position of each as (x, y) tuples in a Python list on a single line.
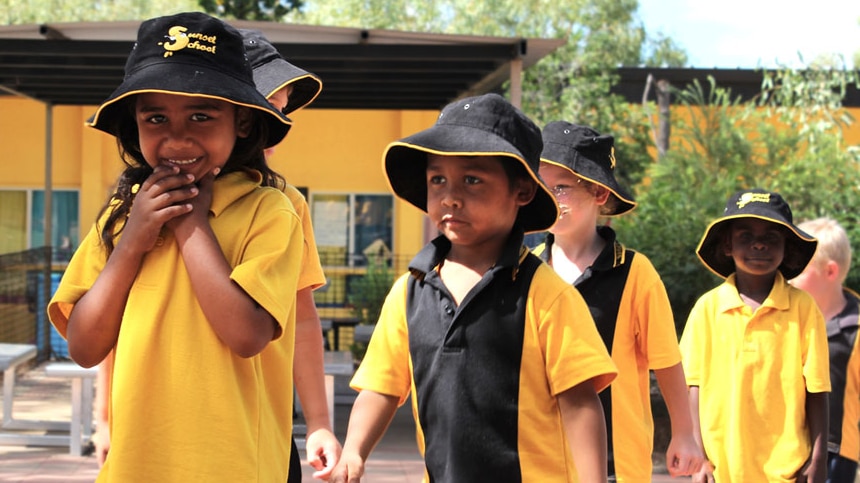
[(533, 176), (112, 102), (293, 81)]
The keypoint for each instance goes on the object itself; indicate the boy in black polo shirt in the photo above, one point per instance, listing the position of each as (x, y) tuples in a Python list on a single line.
[(501, 382)]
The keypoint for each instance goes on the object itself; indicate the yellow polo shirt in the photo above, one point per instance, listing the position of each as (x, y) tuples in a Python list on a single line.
[(753, 369), (312, 273), (184, 407)]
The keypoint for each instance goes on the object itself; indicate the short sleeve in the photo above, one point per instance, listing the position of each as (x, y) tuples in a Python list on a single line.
[(574, 352), (653, 315), (270, 258), (81, 273), (693, 344), (312, 275)]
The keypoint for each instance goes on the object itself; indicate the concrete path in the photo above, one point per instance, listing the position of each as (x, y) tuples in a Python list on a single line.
[(395, 460)]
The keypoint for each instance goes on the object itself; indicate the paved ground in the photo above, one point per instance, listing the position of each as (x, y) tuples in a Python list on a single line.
[(37, 396)]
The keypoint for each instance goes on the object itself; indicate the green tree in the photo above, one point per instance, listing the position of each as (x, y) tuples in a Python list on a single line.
[(15, 12), (271, 10), (367, 293), (789, 140), (572, 83)]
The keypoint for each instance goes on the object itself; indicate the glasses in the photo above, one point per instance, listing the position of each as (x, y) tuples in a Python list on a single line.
[(565, 190)]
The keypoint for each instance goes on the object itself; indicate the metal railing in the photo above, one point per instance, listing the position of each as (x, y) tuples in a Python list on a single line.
[(356, 286), (27, 279)]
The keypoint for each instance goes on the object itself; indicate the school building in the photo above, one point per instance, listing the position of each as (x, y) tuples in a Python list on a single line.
[(378, 86)]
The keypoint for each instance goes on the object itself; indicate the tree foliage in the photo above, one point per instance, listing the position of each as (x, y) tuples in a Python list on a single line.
[(788, 139), (15, 12), (270, 10), (43, 11), (573, 83)]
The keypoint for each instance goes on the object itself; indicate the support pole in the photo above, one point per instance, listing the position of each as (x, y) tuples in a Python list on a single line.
[(48, 224)]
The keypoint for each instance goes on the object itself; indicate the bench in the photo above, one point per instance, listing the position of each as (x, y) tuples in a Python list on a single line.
[(335, 324), (81, 426), (12, 356), (20, 431), (363, 333)]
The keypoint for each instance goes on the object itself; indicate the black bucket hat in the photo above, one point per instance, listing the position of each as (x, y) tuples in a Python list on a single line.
[(587, 154), (764, 205), (485, 125), (272, 72), (189, 54)]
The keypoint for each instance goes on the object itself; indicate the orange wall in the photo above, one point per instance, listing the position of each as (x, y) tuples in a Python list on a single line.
[(852, 135)]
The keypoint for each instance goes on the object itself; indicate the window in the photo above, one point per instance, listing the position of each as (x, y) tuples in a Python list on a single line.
[(351, 227), (354, 237), (22, 223)]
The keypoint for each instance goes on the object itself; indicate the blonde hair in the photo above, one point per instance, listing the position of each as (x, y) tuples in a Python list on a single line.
[(833, 244), (593, 188)]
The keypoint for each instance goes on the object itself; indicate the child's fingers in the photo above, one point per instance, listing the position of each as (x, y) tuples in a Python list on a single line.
[(316, 461), (348, 470), (683, 457), (682, 466), (165, 179), (206, 182), (159, 173)]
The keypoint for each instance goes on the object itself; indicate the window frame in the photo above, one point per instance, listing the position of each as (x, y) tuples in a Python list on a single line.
[(351, 238), (30, 220)]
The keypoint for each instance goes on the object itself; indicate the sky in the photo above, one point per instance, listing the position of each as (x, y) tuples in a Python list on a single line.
[(755, 33)]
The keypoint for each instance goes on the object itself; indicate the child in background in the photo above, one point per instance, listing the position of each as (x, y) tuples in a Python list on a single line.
[(503, 374), (626, 298), (185, 271), (755, 350), (289, 88), (823, 278)]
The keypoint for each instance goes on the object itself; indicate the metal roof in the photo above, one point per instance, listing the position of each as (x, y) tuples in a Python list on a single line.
[(744, 83), (82, 63)]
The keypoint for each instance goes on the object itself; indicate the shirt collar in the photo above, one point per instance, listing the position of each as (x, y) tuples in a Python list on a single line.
[(613, 252), (612, 255), (847, 318), (513, 253), (729, 298), (232, 186)]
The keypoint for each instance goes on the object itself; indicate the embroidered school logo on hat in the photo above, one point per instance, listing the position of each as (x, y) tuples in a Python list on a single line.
[(190, 54), (749, 197), (180, 40)]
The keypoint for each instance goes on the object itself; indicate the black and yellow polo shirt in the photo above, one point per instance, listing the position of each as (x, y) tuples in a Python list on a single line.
[(484, 375), (630, 306), (842, 338)]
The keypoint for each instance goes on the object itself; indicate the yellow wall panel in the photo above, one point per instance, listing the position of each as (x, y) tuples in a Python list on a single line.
[(22, 143), (326, 151)]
